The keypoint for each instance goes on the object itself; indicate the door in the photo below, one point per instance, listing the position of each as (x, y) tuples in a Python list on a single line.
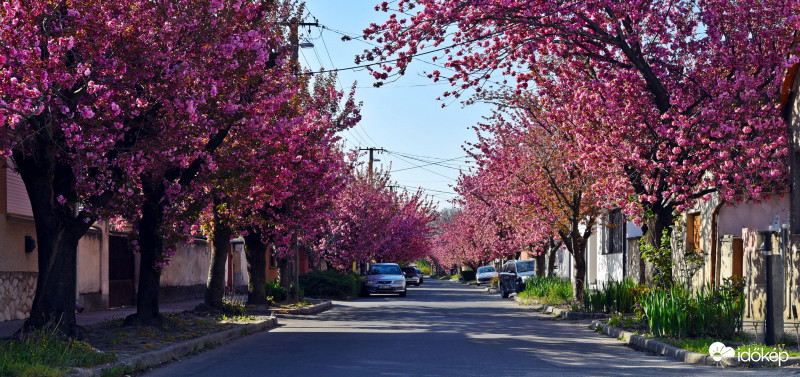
[(121, 264)]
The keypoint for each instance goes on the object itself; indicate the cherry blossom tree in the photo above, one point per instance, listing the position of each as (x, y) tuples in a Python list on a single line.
[(678, 95), (373, 223), (540, 176), (109, 107)]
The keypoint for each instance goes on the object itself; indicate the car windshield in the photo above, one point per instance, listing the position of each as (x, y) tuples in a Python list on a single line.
[(485, 269), (526, 266), (384, 270)]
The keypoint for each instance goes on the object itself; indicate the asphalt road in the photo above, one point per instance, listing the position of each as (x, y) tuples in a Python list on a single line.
[(440, 329)]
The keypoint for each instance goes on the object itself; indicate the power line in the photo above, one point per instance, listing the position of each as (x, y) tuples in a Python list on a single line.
[(422, 167)]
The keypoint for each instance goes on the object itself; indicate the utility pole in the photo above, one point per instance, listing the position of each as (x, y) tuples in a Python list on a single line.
[(371, 158), (294, 40)]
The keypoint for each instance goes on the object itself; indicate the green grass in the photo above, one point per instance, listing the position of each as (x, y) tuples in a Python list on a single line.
[(700, 345), (612, 297), (46, 353), (548, 290)]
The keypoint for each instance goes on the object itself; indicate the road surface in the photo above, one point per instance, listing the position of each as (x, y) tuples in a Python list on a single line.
[(441, 329)]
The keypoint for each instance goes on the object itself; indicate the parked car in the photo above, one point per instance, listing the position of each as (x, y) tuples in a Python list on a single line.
[(485, 274), (515, 275), (419, 273), (385, 278), (411, 275)]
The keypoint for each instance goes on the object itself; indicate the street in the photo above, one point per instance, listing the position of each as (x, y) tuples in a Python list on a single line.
[(440, 329)]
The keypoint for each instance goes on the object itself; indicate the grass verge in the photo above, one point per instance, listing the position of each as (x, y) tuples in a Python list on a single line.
[(47, 353)]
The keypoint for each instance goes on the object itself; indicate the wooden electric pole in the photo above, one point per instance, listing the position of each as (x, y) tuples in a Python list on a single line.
[(371, 158)]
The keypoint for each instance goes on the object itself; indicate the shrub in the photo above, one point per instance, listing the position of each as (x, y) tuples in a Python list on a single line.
[(467, 275), (711, 312), (275, 292), (613, 297), (330, 284)]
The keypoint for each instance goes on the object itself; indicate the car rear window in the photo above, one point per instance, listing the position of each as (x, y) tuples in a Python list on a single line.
[(485, 269), (384, 270), (409, 269), (526, 266)]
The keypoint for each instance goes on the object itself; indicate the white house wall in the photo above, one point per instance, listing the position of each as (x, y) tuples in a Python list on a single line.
[(732, 219)]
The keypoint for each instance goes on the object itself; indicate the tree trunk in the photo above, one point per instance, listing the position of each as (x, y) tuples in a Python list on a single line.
[(284, 270), (150, 248), (57, 234), (54, 301), (220, 245), (540, 261), (551, 261), (652, 230), (256, 253), (579, 269)]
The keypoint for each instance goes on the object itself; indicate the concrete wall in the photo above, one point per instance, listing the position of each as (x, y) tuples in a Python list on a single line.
[(90, 271), (732, 219), (187, 273), (18, 268), (13, 257)]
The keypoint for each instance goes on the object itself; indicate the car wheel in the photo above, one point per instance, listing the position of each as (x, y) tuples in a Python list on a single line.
[(403, 293)]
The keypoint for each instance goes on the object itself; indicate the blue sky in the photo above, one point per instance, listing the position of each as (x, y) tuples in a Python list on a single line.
[(403, 117)]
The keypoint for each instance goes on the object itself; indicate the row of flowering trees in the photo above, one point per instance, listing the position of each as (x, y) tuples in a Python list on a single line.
[(645, 105), (179, 119)]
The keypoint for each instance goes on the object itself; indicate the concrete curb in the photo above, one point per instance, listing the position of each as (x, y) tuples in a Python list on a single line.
[(558, 312), (312, 309), (175, 351), (682, 355)]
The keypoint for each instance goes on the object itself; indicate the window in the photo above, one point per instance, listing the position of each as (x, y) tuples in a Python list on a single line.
[(615, 232), (693, 231)]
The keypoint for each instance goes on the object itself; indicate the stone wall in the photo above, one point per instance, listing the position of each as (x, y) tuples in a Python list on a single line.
[(16, 294)]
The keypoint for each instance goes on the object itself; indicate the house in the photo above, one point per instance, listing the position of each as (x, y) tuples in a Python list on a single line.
[(108, 269), (612, 251)]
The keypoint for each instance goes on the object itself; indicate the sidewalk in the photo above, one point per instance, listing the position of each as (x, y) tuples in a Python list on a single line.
[(8, 328)]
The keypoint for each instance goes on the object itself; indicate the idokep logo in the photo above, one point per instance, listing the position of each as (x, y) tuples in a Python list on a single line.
[(717, 350)]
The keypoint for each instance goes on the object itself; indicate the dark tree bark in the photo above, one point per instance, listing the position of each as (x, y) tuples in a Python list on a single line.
[(150, 248), (256, 253), (284, 270), (551, 262), (58, 230), (540, 263), (220, 244)]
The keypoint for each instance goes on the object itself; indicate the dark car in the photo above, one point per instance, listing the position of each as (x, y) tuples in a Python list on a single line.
[(419, 273), (411, 275), (515, 275)]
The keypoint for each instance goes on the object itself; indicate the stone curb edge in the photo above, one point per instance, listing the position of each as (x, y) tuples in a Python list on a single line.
[(172, 352), (682, 355), (313, 309), (561, 313)]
